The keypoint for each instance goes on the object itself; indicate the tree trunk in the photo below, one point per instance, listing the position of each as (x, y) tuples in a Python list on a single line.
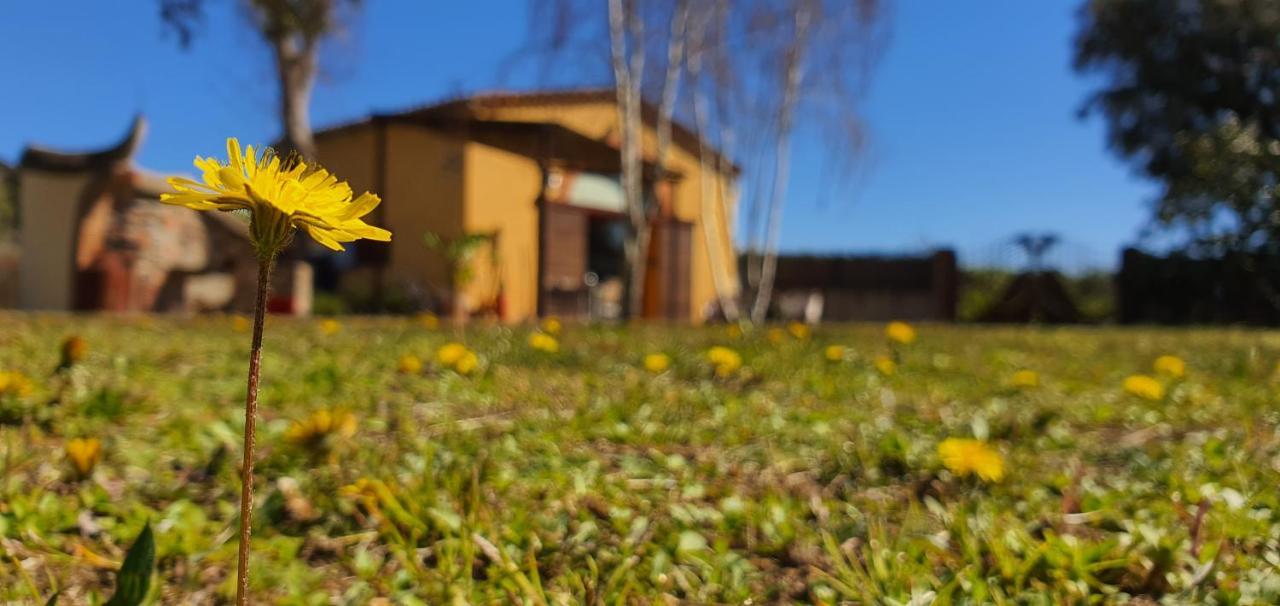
[(626, 34), (712, 194), (769, 261), (793, 72), (296, 67)]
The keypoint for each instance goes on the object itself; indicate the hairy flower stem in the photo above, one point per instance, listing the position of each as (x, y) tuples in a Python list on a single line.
[(265, 263)]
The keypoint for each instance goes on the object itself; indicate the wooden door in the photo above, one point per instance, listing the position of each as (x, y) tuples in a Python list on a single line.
[(562, 262), (670, 273)]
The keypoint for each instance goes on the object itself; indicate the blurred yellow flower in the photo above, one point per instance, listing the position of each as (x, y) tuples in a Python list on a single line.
[(329, 326), (900, 332), (724, 361), (551, 325), (1144, 387), (775, 335), (280, 195), (362, 487), (1025, 379), (240, 323), (886, 365), (966, 457), (544, 342), (1170, 366), (657, 363), (457, 357), (467, 363), (370, 494), (14, 383), (834, 353), (429, 320), (321, 428), (410, 364), (84, 454), (450, 353), (799, 330)]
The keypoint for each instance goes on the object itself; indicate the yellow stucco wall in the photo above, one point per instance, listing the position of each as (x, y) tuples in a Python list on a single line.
[(598, 120), (349, 154), (49, 202), (502, 190), (421, 191)]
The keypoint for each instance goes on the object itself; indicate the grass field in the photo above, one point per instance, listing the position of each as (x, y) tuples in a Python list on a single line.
[(808, 475)]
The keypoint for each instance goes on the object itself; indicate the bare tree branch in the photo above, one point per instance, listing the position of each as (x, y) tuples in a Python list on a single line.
[(793, 75)]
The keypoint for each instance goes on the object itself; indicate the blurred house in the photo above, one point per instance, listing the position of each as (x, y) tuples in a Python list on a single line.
[(866, 288), (94, 236), (537, 176)]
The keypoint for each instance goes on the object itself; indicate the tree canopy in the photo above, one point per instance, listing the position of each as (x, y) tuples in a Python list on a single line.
[(1191, 96)]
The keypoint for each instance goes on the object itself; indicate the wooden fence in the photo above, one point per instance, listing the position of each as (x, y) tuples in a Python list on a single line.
[(867, 288), (1179, 289)]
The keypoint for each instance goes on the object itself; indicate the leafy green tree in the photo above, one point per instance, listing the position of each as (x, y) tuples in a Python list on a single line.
[(1191, 96)]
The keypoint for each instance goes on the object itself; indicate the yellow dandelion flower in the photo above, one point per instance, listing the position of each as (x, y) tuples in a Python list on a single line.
[(322, 428), (799, 330), (368, 493), (1144, 387), (1025, 379), (14, 383), (967, 457), (544, 342), (84, 454), (834, 353), (449, 354), (329, 326), (886, 365), (362, 487), (279, 195), (720, 354), (724, 361), (657, 363), (409, 364), (551, 325), (240, 323), (467, 363), (900, 332), (775, 335), (429, 320), (1170, 366), (457, 357)]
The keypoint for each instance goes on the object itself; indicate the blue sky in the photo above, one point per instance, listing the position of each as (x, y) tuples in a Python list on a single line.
[(972, 111)]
